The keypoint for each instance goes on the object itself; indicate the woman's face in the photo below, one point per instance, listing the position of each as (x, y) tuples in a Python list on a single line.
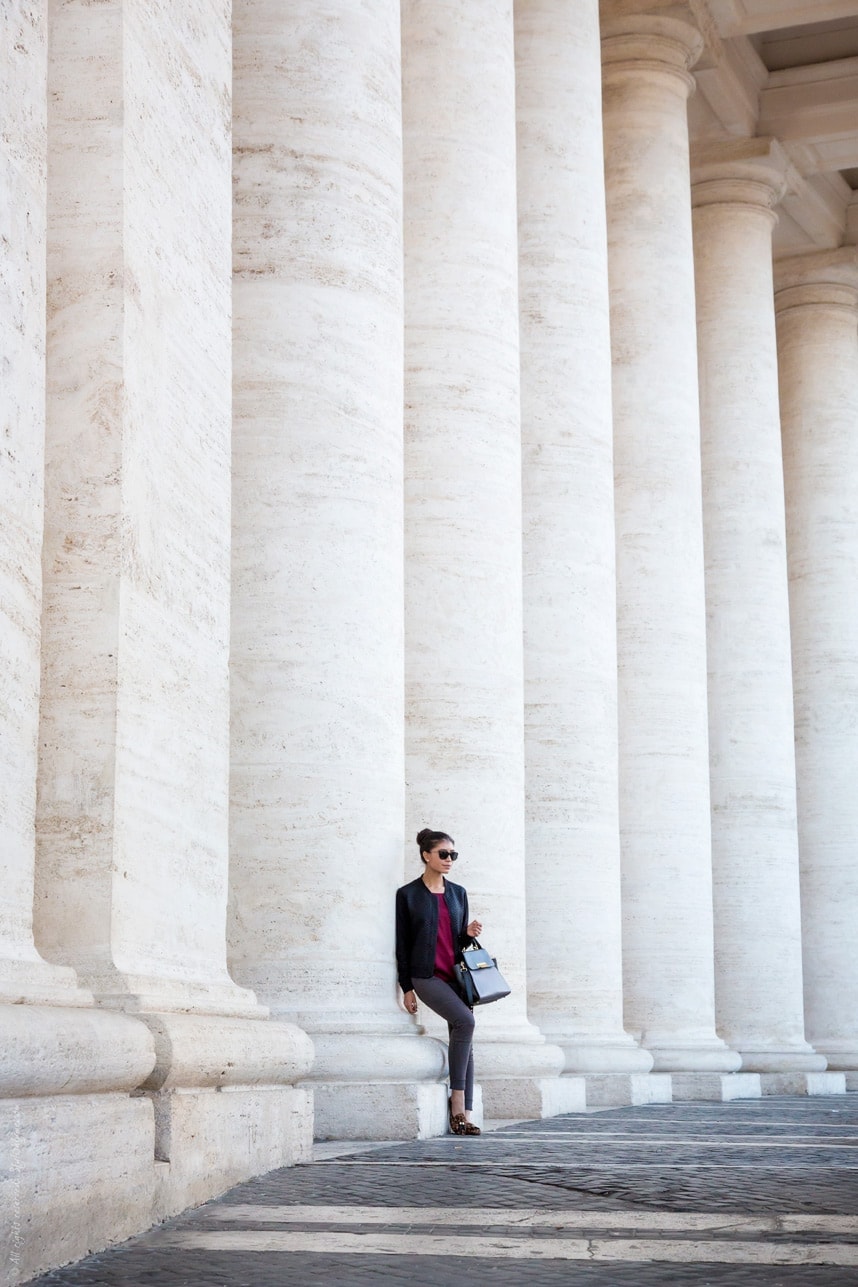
[(434, 861)]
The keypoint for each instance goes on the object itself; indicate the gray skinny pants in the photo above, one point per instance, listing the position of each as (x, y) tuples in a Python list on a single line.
[(445, 1001)]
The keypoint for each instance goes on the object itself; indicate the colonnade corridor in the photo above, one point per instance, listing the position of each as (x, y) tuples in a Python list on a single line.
[(416, 413)]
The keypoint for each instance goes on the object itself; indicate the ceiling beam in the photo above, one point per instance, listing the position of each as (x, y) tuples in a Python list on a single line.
[(746, 17), (812, 105)]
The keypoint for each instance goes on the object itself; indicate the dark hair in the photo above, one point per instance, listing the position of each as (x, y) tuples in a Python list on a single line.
[(427, 840)]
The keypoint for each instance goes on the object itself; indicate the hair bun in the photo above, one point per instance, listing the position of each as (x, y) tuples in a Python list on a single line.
[(427, 839)]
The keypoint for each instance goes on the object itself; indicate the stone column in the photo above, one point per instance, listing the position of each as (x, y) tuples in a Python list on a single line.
[(317, 755), (24, 975), (758, 975), (132, 873), (817, 315), (664, 759), (464, 685), (76, 1149), (574, 946)]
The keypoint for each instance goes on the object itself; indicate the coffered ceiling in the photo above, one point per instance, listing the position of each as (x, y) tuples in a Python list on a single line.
[(789, 69)]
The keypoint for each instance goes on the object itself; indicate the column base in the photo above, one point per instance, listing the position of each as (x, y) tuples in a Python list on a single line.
[(798, 1059), (369, 1055), (225, 1108), (804, 1083), (33, 981), (200, 1051), (509, 1098), (535, 1058), (70, 1050), (720, 1088), (594, 1054), (379, 1110), (623, 1090), (207, 1140), (841, 1054), (377, 1080), (710, 1055), (79, 1178)]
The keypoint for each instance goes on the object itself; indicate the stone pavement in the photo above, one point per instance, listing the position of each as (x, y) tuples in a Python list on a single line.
[(761, 1192)]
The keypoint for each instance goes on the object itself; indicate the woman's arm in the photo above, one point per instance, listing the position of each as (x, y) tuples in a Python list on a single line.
[(403, 942), (470, 930)]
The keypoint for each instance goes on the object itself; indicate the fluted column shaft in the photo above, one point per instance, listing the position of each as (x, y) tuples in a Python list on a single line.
[(570, 680), (817, 315), (317, 712), (464, 696), (664, 787), (758, 970)]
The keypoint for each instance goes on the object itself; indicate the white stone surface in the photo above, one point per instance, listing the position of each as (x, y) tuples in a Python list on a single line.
[(132, 864), (664, 762), (133, 777), (463, 604), (79, 1177), (533, 1097), (208, 1140), (23, 156), (717, 1086), (570, 677), (317, 769), (798, 1083), (817, 302), (757, 913), (379, 1110), (214, 1051), (618, 1090), (53, 1050), (109, 1121)]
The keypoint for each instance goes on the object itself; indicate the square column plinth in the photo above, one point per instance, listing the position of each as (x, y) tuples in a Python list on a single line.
[(720, 1087), (804, 1083), (77, 1175), (381, 1110), (622, 1090)]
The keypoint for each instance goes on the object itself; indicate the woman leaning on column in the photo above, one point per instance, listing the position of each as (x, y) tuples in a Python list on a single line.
[(431, 930)]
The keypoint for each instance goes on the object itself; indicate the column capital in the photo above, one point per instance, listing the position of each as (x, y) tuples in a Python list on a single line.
[(752, 172), (655, 35), (829, 278)]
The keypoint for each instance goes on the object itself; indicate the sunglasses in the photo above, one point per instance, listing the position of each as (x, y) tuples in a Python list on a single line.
[(448, 853)]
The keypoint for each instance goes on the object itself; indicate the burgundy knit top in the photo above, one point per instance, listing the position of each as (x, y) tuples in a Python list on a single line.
[(445, 955)]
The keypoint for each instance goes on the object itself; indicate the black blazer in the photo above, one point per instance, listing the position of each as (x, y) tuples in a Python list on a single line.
[(417, 927)]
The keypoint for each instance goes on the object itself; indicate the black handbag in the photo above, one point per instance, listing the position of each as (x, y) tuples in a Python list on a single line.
[(480, 980)]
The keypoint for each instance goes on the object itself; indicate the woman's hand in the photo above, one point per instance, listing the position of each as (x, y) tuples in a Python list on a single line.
[(475, 929), (410, 1002)]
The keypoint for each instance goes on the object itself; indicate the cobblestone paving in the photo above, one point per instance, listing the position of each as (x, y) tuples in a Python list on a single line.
[(761, 1193)]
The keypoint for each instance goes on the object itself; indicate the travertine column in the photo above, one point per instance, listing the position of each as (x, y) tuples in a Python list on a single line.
[(75, 1148), (664, 760), (817, 311), (464, 687), (132, 869), (758, 978), (135, 716), (317, 760), (574, 947), (23, 974)]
